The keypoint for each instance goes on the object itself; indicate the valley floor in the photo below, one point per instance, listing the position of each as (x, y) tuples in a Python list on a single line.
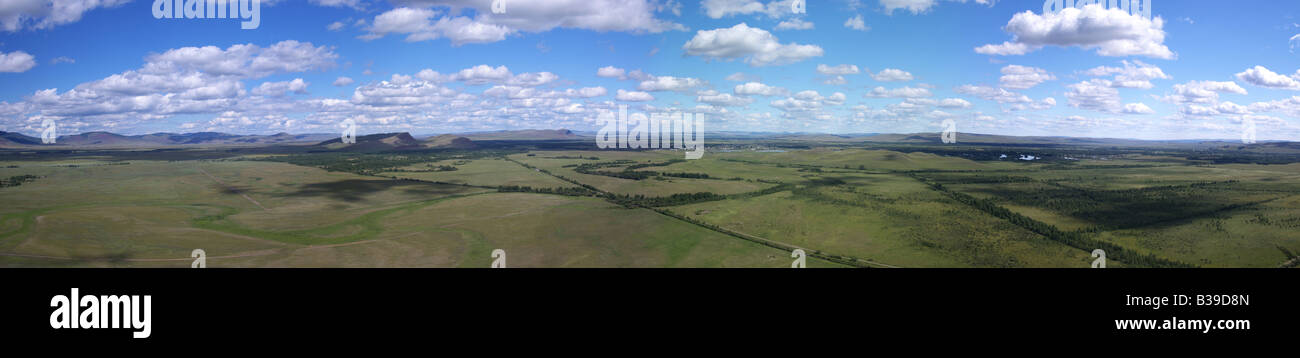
[(844, 207)]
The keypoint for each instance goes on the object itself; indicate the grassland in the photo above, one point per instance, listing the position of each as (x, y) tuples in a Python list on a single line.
[(872, 206)]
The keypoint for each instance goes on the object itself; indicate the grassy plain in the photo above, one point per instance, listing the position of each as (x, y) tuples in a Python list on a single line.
[(871, 204)]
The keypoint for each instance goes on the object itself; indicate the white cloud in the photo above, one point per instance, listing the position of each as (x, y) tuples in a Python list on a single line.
[(723, 99), (759, 89), (611, 72), (795, 24), (1202, 92), (533, 79), (920, 6), (857, 23), (189, 80), (419, 25), (837, 69), (955, 103), (356, 4), (246, 61), (483, 74), (1023, 77), (998, 95), (670, 83), (1263, 77), (757, 46), (634, 16), (742, 77), (1135, 74), (402, 91), (16, 61), (719, 8), (1137, 108), (44, 14), (343, 81), (1111, 31), (275, 89), (1096, 94), (335, 26), (835, 80), (633, 96), (892, 75), (902, 92), (808, 104)]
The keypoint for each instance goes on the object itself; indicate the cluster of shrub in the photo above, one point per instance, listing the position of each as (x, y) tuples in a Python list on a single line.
[(1077, 240), (17, 180), (631, 173)]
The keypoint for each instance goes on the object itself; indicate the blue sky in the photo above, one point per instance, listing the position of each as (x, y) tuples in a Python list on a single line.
[(1196, 69)]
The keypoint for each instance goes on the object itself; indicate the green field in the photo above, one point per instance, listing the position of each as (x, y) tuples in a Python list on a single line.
[(846, 205)]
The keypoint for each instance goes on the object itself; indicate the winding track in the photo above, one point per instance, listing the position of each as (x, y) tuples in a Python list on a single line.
[(231, 188)]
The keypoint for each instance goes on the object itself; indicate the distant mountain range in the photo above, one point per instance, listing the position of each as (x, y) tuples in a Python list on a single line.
[(405, 141), (158, 140), (527, 134), (398, 141)]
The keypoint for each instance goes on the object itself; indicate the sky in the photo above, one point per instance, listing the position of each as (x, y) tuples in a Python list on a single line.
[(1196, 69)]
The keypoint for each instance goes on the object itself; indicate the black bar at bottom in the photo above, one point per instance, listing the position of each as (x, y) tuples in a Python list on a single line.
[(354, 306)]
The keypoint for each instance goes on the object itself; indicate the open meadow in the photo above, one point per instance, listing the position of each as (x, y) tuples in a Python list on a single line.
[(846, 205)]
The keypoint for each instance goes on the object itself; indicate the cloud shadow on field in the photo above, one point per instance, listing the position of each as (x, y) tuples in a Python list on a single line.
[(355, 190)]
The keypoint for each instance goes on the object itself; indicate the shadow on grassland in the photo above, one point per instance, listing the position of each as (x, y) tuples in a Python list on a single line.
[(355, 190)]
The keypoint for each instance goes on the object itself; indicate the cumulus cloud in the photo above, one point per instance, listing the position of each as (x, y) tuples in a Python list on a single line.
[(343, 81), (611, 72), (1023, 77), (1137, 108), (742, 77), (276, 89), (1134, 74), (723, 99), (485, 74), (1201, 98), (756, 46), (356, 4), (956, 103), (719, 8), (998, 95), (759, 89), (892, 75), (1096, 94), (902, 92), (808, 104), (670, 83), (245, 61), (188, 80), (1111, 31), (795, 24), (1263, 77), (633, 16), (44, 14), (857, 23), (633, 96), (1203, 92), (16, 61), (835, 80), (837, 69), (921, 6), (421, 25), (1010, 101)]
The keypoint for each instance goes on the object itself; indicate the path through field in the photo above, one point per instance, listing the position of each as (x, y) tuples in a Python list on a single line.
[(231, 188)]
